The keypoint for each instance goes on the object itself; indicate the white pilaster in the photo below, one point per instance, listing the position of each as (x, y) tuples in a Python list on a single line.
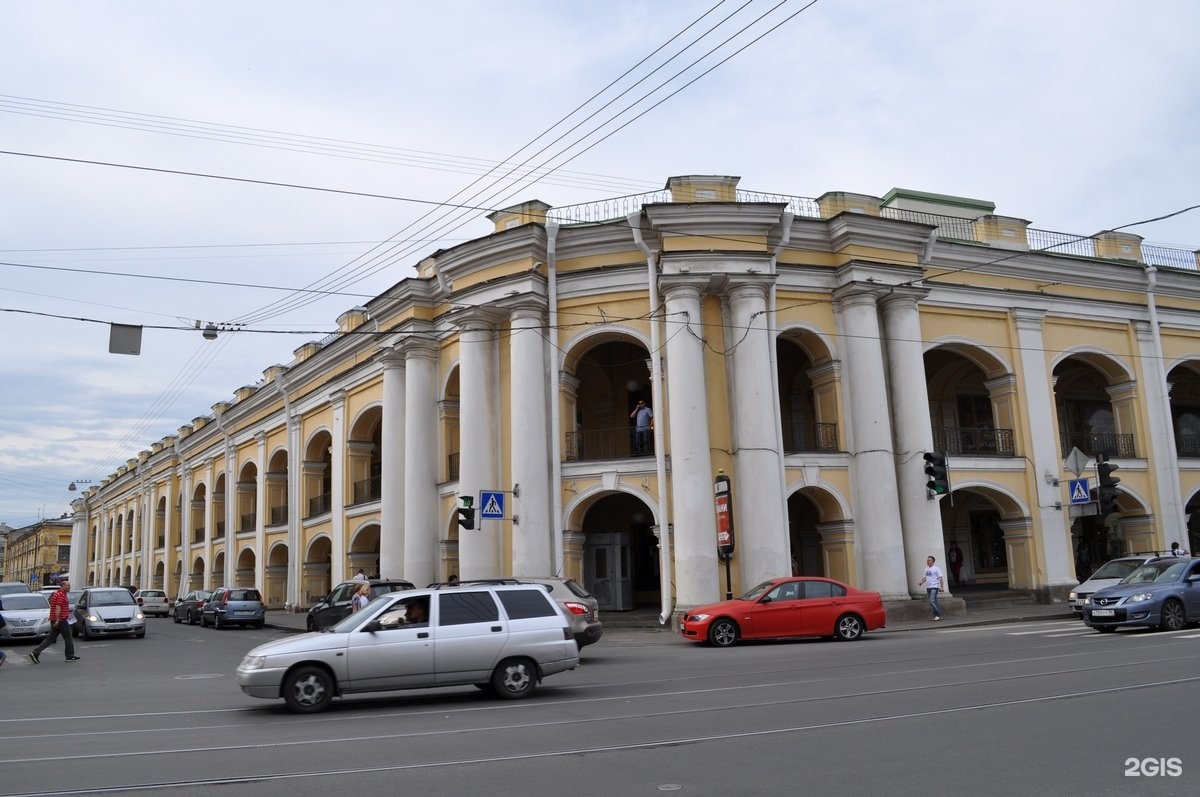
[(295, 504), (210, 526), (760, 508), (1041, 414), (392, 468), (337, 497), (260, 513), (1160, 448), (878, 539), (422, 524), (696, 574), (920, 518), (530, 381), (479, 549)]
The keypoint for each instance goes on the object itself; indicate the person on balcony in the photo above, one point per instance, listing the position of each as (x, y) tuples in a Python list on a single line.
[(643, 425)]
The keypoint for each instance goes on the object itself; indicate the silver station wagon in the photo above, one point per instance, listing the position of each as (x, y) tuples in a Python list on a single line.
[(503, 639)]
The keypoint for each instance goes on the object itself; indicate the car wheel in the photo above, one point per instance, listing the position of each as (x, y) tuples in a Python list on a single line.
[(83, 631), (259, 624), (141, 634), (514, 678), (218, 622), (849, 628), (203, 620), (311, 625), (722, 633), (175, 615), (1173, 618), (308, 690), (191, 618)]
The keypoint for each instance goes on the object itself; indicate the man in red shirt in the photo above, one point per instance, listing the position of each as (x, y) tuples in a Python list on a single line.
[(60, 625)]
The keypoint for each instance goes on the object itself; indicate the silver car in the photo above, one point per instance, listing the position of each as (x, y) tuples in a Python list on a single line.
[(104, 611), (26, 616), (580, 606), (503, 639)]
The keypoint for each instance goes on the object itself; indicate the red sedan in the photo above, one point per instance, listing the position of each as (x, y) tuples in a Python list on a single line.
[(787, 607)]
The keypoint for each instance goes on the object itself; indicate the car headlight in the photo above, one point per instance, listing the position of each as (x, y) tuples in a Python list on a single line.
[(1072, 596), (253, 663), (699, 618), (139, 616), (92, 618), (1141, 596)]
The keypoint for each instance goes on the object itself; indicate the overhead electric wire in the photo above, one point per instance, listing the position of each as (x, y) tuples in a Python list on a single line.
[(292, 142), (393, 256), (285, 305)]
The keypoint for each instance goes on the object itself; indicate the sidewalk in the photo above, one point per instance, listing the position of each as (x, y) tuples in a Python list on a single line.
[(645, 622)]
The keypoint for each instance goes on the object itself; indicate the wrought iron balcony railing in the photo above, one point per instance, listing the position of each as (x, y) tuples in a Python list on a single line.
[(1090, 443), (249, 521), (984, 441), (279, 515), (616, 443), (367, 490), (319, 505), (1187, 445), (452, 461), (809, 436)]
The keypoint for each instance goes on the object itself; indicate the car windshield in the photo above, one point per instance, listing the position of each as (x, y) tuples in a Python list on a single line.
[(115, 597), (17, 601), (244, 595), (1118, 568), (756, 592), (1160, 572), (353, 621)]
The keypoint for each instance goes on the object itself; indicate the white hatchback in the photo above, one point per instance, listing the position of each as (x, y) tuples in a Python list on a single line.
[(503, 639)]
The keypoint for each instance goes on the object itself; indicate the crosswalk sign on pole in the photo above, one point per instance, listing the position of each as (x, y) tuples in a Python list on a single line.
[(491, 505), (1079, 491)]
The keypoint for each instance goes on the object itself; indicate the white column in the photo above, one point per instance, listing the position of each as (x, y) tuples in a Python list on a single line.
[(530, 407), (391, 468), (695, 538), (479, 549), (185, 526), (260, 514), (337, 489), (295, 503), (1160, 449), (878, 540), (760, 507), (1040, 410), (79, 533), (920, 517), (422, 525), (210, 525), (170, 587), (232, 520)]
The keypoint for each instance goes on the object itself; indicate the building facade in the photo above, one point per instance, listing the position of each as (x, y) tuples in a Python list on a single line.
[(810, 350), (39, 554)]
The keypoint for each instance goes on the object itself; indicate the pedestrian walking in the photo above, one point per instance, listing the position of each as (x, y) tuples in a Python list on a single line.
[(362, 596), (932, 581), (1177, 551), (60, 624)]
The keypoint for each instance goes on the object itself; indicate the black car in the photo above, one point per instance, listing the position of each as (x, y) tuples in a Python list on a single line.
[(335, 606), (190, 605)]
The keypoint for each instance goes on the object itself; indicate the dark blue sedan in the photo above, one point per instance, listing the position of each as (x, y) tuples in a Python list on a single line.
[(1162, 594)]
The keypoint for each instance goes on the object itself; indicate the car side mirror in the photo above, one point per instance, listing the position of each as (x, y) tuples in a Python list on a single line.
[(373, 626), (766, 599)]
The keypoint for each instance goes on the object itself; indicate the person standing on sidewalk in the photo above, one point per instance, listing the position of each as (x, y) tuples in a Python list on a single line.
[(60, 624), (932, 582)]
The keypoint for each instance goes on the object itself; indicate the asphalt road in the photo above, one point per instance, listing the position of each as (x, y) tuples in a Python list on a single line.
[(1026, 708)]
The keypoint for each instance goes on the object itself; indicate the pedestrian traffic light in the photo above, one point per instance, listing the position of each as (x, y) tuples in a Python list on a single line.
[(937, 469), (466, 513), (1106, 493)]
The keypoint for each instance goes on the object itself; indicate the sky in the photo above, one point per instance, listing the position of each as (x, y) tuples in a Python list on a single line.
[(1077, 115)]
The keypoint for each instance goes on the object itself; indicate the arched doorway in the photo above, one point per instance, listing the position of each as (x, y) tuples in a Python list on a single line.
[(317, 566), (620, 553)]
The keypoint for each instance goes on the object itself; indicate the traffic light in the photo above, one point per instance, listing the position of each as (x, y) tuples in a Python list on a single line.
[(1106, 493), (937, 469), (466, 513)]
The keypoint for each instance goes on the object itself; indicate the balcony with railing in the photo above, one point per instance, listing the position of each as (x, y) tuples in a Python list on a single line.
[(198, 534), (809, 437), (1091, 444), (1187, 445), (616, 443), (983, 441), (248, 522), (319, 505), (452, 463), (367, 490), (219, 533), (279, 515)]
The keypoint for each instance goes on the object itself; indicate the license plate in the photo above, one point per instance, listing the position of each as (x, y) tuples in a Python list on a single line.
[(244, 614), (118, 627), (1103, 613)]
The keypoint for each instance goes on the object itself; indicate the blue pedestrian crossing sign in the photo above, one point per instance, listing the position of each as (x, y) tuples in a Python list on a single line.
[(1079, 491), (491, 505)]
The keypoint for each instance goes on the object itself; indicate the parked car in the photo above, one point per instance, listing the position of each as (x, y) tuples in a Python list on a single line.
[(103, 611), (153, 601), (787, 607), (335, 606), (233, 606), (26, 616), (580, 606), (1164, 593), (190, 605), (1110, 573), (7, 587), (502, 638)]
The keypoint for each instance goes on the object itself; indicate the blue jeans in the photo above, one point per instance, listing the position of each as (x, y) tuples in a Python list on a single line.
[(933, 593)]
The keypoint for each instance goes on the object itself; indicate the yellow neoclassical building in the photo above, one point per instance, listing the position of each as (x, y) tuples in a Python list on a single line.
[(809, 350)]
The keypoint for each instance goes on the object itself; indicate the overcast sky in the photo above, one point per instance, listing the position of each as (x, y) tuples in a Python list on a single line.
[(1078, 115)]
